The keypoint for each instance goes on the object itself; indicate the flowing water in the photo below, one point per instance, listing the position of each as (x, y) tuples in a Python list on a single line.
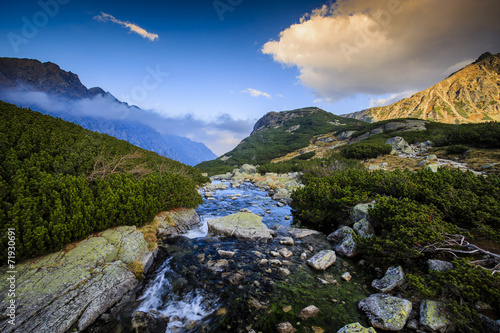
[(167, 294)]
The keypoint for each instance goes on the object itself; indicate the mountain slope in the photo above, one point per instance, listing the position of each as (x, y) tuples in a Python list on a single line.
[(471, 95), (49, 89), (277, 134)]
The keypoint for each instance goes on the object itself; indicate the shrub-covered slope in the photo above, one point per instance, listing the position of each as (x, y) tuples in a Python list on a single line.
[(60, 182), (277, 134)]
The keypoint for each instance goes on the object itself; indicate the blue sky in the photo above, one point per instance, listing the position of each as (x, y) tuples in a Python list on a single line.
[(214, 67)]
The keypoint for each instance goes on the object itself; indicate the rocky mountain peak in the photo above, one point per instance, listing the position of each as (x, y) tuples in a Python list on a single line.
[(470, 95), (276, 119)]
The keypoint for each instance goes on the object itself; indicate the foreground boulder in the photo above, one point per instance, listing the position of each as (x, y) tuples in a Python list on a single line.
[(386, 312), (240, 225), (74, 286)]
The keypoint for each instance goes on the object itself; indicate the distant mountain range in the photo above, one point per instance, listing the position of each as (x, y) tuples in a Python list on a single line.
[(470, 95), (60, 93)]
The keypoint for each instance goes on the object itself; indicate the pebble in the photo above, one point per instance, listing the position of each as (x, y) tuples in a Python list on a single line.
[(286, 241), (346, 276)]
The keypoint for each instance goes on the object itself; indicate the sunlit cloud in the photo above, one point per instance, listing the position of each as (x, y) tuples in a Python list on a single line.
[(103, 17), (380, 47), (255, 93)]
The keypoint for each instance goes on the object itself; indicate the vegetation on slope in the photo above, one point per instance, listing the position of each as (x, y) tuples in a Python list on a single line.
[(271, 142), (60, 182)]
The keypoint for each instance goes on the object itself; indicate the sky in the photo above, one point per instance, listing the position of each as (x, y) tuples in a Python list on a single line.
[(211, 68)]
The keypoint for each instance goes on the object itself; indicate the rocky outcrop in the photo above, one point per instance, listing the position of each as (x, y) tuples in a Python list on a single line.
[(72, 287), (439, 265), (240, 225), (400, 146), (386, 312), (470, 95), (177, 221)]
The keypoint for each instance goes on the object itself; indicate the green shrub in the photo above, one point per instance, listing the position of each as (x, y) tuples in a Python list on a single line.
[(365, 150), (456, 149)]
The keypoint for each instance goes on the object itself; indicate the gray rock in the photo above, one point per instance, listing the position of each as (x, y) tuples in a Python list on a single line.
[(363, 228), (286, 241), (433, 167), (439, 265), (360, 211), (74, 287), (285, 253), (394, 277), (146, 322), (412, 324), (309, 312), (322, 260), (177, 221), (399, 145), (346, 135), (240, 225), (338, 235), (347, 247), (284, 272), (356, 328), (434, 316), (346, 276), (431, 157), (302, 233), (217, 265), (386, 312), (226, 254), (248, 169)]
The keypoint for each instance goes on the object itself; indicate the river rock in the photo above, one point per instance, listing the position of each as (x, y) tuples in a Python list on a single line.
[(285, 253), (300, 233), (74, 287), (146, 322), (439, 265), (285, 328), (309, 312), (177, 221), (240, 225), (248, 169), (434, 316), (386, 312), (322, 260), (394, 277), (356, 328), (226, 254), (286, 241)]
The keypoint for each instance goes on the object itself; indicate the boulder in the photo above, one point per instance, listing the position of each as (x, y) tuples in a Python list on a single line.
[(177, 221), (356, 328), (360, 211), (434, 316), (240, 225), (386, 312), (302, 233), (338, 235), (363, 228), (286, 241), (248, 169), (322, 260), (71, 288), (146, 322), (309, 312), (394, 277), (399, 145), (285, 328), (439, 265), (433, 167), (348, 246)]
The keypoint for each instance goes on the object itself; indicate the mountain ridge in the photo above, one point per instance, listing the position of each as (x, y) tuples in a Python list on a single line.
[(469, 95), (18, 76)]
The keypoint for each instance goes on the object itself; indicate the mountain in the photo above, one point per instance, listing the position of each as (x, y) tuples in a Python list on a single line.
[(278, 133), (47, 88), (470, 95)]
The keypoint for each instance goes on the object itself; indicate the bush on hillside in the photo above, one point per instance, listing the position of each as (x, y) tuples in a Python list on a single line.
[(365, 150)]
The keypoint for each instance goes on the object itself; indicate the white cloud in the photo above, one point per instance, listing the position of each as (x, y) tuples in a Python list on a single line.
[(383, 101), (379, 47), (103, 17), (256, 93)]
